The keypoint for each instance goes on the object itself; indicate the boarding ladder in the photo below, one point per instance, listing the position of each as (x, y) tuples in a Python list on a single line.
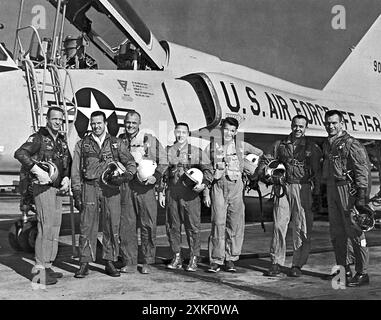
[(53, 83)]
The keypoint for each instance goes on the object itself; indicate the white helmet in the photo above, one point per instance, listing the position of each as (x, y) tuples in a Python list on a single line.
[(50, 167), (114, 170), (250, 163), (192, 177), (275, 172), (145, 169), (362, 218)]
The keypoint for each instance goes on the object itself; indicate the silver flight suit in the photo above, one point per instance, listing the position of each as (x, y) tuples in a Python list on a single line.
[(183, 205), (227, 206)]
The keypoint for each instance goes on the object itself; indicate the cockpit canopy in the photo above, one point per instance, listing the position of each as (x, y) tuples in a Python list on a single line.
[(115, 28)]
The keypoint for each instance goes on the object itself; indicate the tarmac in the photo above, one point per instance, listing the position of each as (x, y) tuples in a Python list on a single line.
[(248, 283)]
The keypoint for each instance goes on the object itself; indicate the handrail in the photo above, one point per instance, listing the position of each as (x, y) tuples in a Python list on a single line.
[(24, 57)]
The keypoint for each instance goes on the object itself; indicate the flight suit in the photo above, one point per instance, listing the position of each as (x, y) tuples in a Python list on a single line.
[(345, 157), (227, 206), (41, 146), (183, 205), (89, 162), (139, 204), (303, 176)]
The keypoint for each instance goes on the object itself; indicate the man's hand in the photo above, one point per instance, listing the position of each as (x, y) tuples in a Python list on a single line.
[(42, 176), (150, 180), (206, 197), (199, 187), (65, 184), (120, 179), (206, 200), (162, 199), (77, 197)]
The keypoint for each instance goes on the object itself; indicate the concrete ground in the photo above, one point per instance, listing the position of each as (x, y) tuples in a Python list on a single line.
[(248, 283)]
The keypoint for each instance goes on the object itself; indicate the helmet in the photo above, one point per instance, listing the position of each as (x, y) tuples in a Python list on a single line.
[(274, 173), (362, 218), (192, 177), (146, 168), (113, 171), (50, 167), (250, 163)]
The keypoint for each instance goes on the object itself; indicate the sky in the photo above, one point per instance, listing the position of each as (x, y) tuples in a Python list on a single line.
[(295, 40)]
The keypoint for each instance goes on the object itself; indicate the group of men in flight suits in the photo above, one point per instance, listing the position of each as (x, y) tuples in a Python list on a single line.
[(108, 183)]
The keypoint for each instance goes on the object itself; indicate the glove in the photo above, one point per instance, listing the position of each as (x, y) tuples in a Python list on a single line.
[(77, 197), (199, 187), (361, 198), (41, 175), (65, 184), (119, 180), (150, 180)]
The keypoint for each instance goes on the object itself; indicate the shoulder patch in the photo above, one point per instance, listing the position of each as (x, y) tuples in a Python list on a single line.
[(30, 139)]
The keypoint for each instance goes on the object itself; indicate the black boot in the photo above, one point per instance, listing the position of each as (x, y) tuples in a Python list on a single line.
[(273, 271), (41, 276), (111, 270), (83, 270), (53, 273), (360, 279), (348, 274)]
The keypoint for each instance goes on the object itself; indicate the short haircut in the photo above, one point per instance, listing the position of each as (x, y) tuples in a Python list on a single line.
[(331, 113), (231, 121), (97, 114), (131, 113), (54, 108), (182, 124), (300, 116)]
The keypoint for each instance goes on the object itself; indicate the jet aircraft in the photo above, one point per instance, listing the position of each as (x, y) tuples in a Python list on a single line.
[(166, 83)]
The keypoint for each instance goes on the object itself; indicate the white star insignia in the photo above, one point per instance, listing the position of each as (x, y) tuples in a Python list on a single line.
[(94, 107)]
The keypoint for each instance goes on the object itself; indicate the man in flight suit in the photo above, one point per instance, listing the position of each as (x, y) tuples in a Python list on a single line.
[(227, 206), (48, 144), (183, 205), (301, 158), (92, 155), (346, 170), (139, 204)]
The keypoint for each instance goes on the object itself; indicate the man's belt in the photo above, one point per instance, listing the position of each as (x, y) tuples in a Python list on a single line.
[(92, 182), (298, 181)]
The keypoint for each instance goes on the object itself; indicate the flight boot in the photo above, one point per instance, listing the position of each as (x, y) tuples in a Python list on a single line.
[(229, 266), (273, 271), (83, 270), (360, 279), (176, 263), (295, 272), (146, 269), (41, 276), (111, 270), (348, 274), (192, 265), (53, 273)]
